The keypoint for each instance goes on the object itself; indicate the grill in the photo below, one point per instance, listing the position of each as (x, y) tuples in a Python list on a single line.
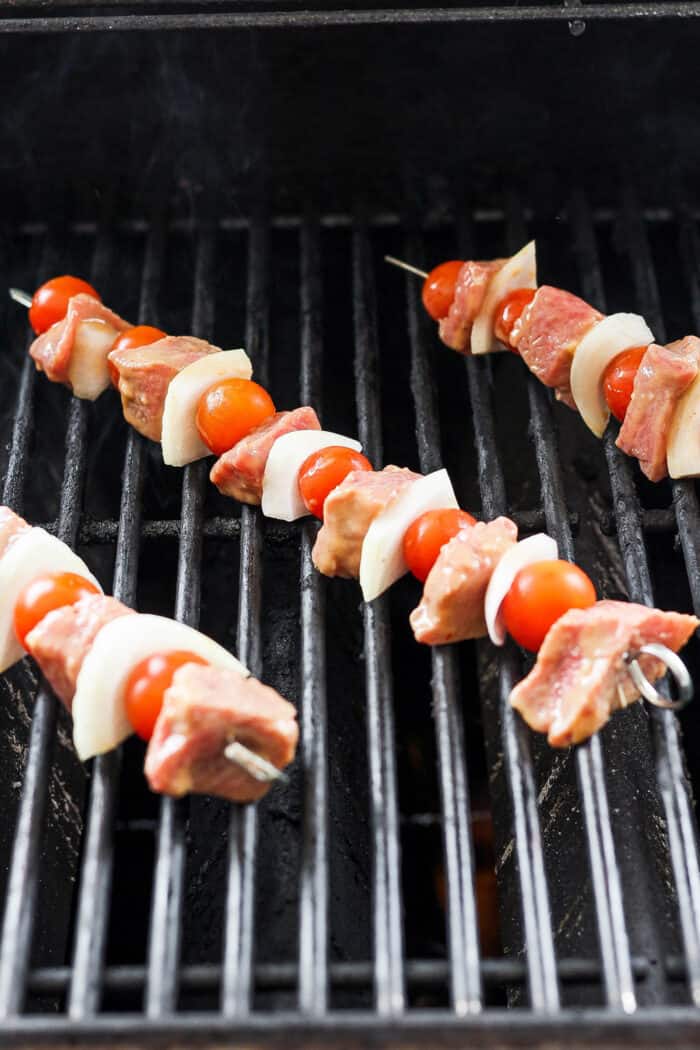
[(432, 875)]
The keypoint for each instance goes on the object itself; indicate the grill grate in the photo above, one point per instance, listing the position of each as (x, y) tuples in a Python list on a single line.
[(640, 980)]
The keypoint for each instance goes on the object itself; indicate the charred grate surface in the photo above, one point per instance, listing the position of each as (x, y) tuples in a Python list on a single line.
[(360, 899)]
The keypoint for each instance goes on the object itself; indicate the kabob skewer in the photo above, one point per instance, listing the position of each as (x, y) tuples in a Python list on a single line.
[(379, 524)]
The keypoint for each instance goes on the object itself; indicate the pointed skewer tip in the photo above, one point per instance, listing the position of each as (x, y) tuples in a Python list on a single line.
[(23, 298), (405, 266)]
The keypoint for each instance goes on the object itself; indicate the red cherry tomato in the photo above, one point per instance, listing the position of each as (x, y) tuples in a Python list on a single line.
[(323, 471), (618, 380), (508, 312), (50, 301), (539, 595), (139, 335), (428, 534), (439, 288), (50, 591), (229, 410), (143, 696)]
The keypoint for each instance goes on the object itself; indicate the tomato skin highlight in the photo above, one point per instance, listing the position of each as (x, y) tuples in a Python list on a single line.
[(147, 683), (508, 312), (540, 594), (51, 590), (229, 410), (439, 288), (428, 534), (323, 471), (618, 380), (139, 335), (50, 300)]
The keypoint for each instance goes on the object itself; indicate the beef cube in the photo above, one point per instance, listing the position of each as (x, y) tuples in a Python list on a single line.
[(470, 291), (581, 676), (664, 374), (547, 334), (145, 373), (204, 710), (61, 640), (239, 472), (349, 511), (452, 606)]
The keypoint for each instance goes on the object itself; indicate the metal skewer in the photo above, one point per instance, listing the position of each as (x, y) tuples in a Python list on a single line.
[(255, 765), (23, 298), (405, 266), (677, 669)]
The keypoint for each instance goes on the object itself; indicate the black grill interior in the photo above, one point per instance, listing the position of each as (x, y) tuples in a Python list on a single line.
[(432, 874)]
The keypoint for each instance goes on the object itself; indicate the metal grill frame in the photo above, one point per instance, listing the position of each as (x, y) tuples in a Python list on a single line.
[(392, 1022)]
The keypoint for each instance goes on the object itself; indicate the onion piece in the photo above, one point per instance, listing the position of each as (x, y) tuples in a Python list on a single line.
[(600, 345), (179, 437), (88, 371), (99, 714), (382, 561), (520, 271), (683, 449), (280, 493), (32, 554), (539, 547)]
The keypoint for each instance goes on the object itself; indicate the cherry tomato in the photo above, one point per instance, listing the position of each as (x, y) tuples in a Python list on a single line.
[(143, 696), (509, 311), (323, 471), (229, 410), (50, 591), (439, 288), (539, 595), (428, 534), (139, 335), (50, 301), (618, 380)]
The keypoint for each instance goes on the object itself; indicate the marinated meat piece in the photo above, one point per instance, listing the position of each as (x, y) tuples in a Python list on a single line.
[(145, 373), (11, 527), (53, 351), (547, 334), (239, 472), (204, 710), (665, 373), (60, 642), (349, 511), (470, 291), (580, 676), (452, 606)]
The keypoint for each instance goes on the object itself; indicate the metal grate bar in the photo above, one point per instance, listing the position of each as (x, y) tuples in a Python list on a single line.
[(388, 932), (313, 905), (539, 942), (673, 785), (23, 881), (462, 916), (675, 789), (168, 887), (240, 896), (590, 763), (96, 877)]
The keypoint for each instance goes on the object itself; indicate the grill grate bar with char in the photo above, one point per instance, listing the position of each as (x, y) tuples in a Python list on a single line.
[(388, 932), (22, 889), (461, 916), (536, 914), (313, 889), (239, 933), (168, 887), (97, 866)]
